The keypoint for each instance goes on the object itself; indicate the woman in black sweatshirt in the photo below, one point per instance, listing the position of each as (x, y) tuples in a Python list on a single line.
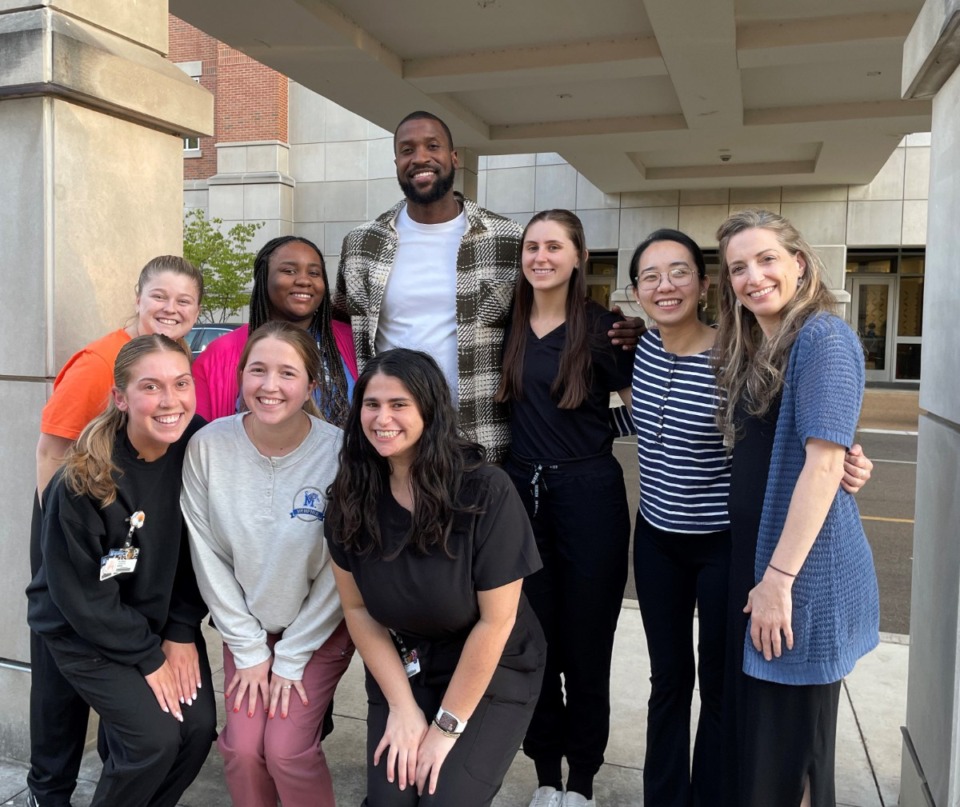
[(115, 597)]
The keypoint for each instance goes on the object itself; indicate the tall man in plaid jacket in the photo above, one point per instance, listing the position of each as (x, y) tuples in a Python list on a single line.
[(436, 273)]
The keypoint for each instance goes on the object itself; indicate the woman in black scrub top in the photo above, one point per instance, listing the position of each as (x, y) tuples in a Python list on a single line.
[(559, 369), (431, 546)]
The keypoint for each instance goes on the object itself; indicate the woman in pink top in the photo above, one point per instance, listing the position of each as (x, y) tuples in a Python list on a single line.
[(289, 284)]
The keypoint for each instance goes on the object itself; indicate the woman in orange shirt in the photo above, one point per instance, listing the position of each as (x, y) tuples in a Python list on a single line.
[(168, 295)]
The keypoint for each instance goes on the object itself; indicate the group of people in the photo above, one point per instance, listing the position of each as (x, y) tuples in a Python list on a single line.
[(419, 466)]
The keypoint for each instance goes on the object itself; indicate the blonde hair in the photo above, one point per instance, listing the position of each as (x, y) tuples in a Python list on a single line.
[(750, 368), (88, 468), (301, 341)]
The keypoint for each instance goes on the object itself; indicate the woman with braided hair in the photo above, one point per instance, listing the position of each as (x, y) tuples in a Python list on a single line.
[(289, 284)]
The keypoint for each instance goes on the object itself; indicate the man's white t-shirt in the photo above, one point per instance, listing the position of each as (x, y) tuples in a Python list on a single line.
[(419, 308)]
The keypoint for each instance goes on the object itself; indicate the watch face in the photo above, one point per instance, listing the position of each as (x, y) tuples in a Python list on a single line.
[(447, 721)]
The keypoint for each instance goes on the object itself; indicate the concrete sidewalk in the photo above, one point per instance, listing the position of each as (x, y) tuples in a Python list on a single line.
[(872, 709)]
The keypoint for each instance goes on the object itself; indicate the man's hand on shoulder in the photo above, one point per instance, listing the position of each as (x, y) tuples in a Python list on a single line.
[(627, 332)]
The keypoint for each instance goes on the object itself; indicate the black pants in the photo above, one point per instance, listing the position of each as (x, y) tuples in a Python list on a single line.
[(473, 771), (582, 527), (58, 715), (674, 572), (151, 757)]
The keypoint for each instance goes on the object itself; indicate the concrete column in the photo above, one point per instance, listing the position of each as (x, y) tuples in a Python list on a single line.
[(253, 184), (91, 120), (931, 749), (466, 180)]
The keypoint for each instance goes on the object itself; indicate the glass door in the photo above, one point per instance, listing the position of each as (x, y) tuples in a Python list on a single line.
[(872, 306)]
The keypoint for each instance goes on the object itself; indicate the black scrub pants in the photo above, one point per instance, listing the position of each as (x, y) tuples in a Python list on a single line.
[(151, 757), (58, 715), (473, 771), (675, 572), (581, 522)]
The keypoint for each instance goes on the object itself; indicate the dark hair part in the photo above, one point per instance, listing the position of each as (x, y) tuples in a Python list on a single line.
[(436, 474), (301, 341), (423, 115), (88, 468), (572, 384), (334, 405), (170, 263), (666, 234)]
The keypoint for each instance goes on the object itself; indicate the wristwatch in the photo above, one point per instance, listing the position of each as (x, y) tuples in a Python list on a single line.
[(450, 725)]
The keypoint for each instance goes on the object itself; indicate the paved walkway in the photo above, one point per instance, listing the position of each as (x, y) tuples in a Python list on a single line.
[(868, 743)]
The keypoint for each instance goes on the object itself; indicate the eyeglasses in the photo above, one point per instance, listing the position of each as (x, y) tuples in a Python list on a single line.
[(678, 276)]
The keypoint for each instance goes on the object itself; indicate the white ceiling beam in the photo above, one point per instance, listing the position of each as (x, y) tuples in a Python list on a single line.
[(698, 43), (630, 57), (823, 113), (636, 124), (823, 39)]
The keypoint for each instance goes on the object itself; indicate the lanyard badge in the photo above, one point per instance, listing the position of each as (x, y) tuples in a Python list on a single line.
[(124, 559)]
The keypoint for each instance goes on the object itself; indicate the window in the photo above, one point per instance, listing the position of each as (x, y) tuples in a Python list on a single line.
[(191, 145)]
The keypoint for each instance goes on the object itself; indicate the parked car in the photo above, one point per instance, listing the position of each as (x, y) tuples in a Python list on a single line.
[(204, 333)]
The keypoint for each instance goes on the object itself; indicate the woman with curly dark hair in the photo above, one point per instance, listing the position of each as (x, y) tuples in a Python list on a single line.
[(289, 284), (431, 546)]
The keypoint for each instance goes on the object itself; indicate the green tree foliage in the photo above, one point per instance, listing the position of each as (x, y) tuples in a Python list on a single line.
[(225, 261)]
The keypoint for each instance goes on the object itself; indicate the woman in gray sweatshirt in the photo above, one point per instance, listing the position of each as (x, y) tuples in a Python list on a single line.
[(253, 498)]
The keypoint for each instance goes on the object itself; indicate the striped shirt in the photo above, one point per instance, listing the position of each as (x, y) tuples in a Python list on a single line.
[(684, 468)]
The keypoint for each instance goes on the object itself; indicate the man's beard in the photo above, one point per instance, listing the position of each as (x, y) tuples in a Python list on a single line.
[(435, 193)]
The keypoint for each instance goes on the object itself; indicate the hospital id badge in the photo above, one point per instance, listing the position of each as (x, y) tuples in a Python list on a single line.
[(118, 561), (411, 662)]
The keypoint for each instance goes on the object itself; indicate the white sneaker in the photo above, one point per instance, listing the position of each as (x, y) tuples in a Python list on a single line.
[(573, 799), (547, 796)]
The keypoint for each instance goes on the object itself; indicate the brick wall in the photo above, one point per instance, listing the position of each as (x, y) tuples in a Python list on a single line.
[(250, 100)]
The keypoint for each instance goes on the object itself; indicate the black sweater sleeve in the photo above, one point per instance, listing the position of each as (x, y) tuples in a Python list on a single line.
[(73, 540), (187, 608)]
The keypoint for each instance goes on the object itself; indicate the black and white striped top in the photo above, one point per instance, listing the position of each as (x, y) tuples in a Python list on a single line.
[(684, 468)]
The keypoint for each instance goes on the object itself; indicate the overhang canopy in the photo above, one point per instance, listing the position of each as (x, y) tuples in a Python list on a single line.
[(636, 95)]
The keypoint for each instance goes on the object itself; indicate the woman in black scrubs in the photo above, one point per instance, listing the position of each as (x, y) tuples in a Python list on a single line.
[(431, 546), (115, 599)]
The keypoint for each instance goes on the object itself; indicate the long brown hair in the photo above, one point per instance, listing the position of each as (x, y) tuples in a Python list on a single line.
[(436, 474), (88, 468), (751, 367), (572, 384), (301, 341)]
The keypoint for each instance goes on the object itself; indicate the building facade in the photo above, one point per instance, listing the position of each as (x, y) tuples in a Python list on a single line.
[(286, 156)]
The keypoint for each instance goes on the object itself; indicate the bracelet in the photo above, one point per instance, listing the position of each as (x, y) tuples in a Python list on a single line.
[(771, 566), (453, 735)]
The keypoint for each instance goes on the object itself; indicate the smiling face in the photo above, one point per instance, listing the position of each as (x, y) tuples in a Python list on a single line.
[(549, 256), (275, 383), (169, 304), (763, 275), (426, 161), (391, 419), (667, 287), (295, 286), (159, 401)]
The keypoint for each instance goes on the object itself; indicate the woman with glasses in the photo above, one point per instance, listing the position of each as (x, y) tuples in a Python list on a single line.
[(682, 536), (681, 550)]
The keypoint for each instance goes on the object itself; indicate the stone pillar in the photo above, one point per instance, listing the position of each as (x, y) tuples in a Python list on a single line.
[(466, 180), (91, 121), (931, 748)]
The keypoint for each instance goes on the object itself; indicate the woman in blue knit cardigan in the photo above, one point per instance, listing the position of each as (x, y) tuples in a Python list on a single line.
[(803, 596)]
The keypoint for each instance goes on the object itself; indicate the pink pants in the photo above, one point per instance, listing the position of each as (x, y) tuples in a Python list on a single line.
[(265, 758)]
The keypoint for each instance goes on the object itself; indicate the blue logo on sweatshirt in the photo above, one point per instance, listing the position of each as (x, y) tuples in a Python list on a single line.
[(310, 507)]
